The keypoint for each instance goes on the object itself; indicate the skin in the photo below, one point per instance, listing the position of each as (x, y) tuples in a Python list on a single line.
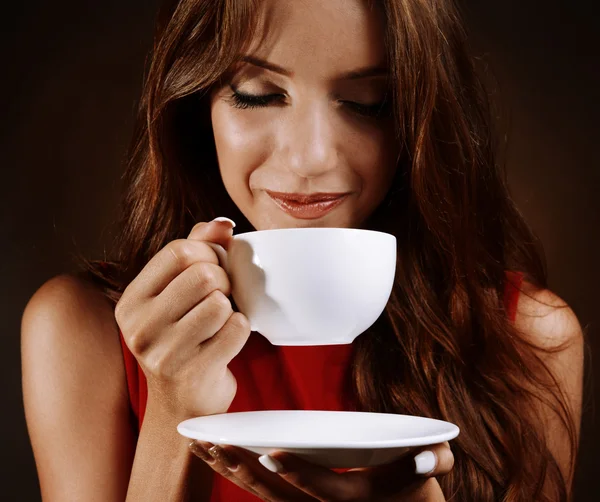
[(311, 141)]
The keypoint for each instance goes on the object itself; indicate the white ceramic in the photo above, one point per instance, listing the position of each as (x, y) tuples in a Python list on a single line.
[(311, 286), (335, 439)]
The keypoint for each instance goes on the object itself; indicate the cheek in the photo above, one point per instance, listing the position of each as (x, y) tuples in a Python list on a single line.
[(234, 132), (240, 145), (374, 157)]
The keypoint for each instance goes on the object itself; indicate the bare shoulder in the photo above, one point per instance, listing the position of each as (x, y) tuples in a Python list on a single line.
[(69, 299), (68, 315), (547, 320), (74, 389)]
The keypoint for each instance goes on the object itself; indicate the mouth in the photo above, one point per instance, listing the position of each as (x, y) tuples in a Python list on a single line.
[(307, 206)]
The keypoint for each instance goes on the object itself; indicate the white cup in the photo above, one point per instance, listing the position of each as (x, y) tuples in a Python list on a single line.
[(310, 286)]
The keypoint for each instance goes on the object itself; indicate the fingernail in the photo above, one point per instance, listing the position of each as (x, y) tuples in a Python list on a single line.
[(222, 218), (201, 452), (425, 462), (226, 458), (272, 464)]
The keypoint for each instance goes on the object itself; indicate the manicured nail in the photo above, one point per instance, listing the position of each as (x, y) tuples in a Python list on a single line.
[(226, 458), (201, 452), (425, 462), (222, 218), (272, 464)]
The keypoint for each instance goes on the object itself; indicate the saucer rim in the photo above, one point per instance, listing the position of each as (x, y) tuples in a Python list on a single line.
[(452, 432)]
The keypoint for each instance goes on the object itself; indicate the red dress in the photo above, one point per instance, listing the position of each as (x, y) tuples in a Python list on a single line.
[(271, 377)]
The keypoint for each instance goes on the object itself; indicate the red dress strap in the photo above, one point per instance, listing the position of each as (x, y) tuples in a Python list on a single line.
[(136, 383), (512, 288)]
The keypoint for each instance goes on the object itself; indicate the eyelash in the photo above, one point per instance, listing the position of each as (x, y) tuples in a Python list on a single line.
[(245, 101)]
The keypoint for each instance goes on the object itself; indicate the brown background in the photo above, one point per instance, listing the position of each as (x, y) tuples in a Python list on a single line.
[(72, 72)]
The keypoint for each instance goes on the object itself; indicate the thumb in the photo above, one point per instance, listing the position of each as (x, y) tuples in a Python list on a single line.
[(219, 231), (419, 464), (434, 460)]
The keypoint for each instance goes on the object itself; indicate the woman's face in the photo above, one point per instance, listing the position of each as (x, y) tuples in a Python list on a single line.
[(311, 137)]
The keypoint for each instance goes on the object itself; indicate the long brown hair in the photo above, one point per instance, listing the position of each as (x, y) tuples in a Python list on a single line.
[(444, 347)]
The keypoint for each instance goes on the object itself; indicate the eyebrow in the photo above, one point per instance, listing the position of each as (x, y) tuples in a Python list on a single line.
[(370, 71)]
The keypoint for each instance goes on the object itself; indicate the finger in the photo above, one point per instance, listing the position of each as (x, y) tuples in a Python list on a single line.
[(190, 288), (427, 461), (242, 468), (167, 264), (319, 482), (172, 259), (435, 460), (200, 449), (179, 254), (415, 466), (228, 342), (219, 232), (206, 319)]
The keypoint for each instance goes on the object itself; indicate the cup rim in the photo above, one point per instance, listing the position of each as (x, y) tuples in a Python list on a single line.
[(317, 230)]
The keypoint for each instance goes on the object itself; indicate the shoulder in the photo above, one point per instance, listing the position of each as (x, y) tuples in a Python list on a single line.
[(67, 292), (74, 388), (68, 325), (549, 324), (69, 317), (546, 320), (68, 311)]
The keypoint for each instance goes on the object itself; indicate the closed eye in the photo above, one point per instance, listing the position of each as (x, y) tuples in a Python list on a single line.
[(245, 101)]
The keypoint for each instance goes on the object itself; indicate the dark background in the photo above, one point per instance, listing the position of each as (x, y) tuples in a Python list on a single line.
[(72, 76)]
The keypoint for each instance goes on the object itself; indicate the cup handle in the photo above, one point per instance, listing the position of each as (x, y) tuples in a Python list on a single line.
[(221, 254)]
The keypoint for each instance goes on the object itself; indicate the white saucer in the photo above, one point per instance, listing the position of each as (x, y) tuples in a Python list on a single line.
[(337, 439)]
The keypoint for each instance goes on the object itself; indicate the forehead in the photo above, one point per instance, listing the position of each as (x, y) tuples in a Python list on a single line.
[(320, 38)]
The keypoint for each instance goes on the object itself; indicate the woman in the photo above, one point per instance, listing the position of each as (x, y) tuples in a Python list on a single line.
[(243, 100)]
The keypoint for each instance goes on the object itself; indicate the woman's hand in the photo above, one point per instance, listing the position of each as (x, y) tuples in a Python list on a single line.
[(177, 320), (290, 479)]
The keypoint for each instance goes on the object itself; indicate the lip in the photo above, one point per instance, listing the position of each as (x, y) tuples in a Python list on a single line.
[(307, 206)]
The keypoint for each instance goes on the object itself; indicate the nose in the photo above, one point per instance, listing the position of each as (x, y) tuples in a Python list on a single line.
[(309, 141)]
